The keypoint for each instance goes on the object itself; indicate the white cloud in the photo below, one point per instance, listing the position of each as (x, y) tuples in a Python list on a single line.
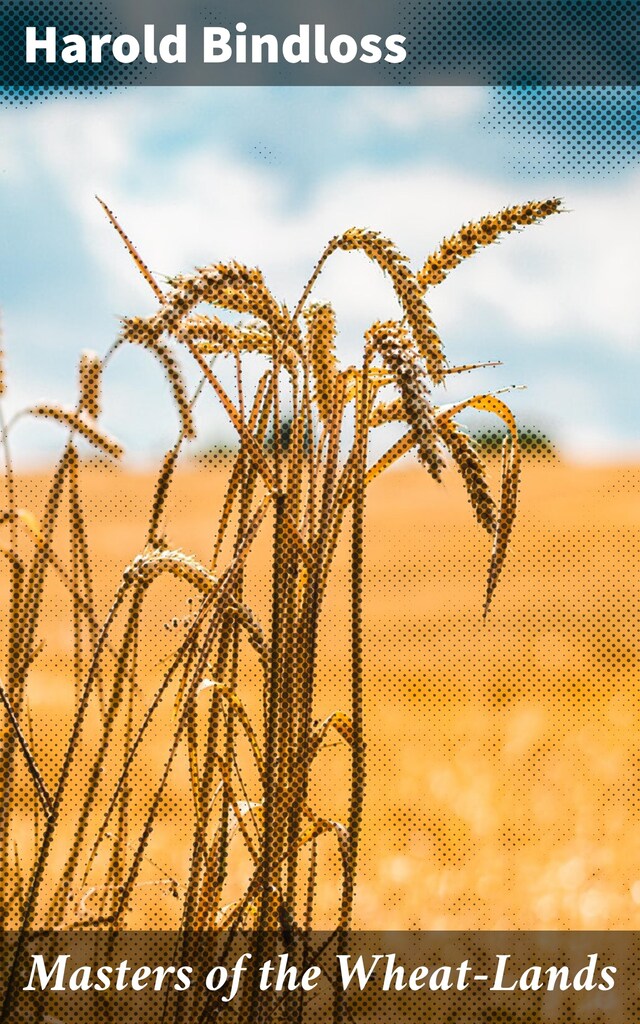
[(573, 276), (414, 108), (575, 273)]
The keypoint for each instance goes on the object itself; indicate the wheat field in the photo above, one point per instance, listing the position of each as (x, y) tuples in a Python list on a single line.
[(502, 752), (283, 690)]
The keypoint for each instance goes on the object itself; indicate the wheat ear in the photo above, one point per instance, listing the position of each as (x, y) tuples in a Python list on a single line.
[(477, 234), (90, 371)]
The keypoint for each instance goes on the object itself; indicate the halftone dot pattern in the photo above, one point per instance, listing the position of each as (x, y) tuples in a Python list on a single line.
[(468, 42), (23, 84), (413, 976), (261, 695), (578, 131), (522, 43)]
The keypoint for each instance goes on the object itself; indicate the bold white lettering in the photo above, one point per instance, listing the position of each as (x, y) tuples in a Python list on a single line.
[(499, 978), (121, 972), (58, 969), (397, 52), (236, 972), (97, 43), (462, 971), (416, 978), (585, 978), (216, 45), (149, 44), (241, 44), (558, 973), (347, 972), (139, 978), (295, 48), (215, 979), (393, 975), (531, 980), (184, 980), (343, 49), (126, 49), (607, 978), (160, 975), (371, 52), (33, 44), (258, 44), (285, 976), (80, 979), (103, 975), (320, 45), (310, 976), (440, 980), (173, 48), (75, 50)]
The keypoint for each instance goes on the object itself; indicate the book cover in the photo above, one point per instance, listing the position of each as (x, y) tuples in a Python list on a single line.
[(321, 509)]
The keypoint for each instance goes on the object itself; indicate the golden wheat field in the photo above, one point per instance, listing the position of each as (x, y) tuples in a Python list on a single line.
[(503, 755)]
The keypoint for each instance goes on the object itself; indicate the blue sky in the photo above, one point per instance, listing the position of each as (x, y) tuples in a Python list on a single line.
[(266, 176)]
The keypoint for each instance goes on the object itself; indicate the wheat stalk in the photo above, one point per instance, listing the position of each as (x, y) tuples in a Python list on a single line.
[(321, 337), (390, 340), (478, 234), (89, 372), (74, 422), (299, 490)]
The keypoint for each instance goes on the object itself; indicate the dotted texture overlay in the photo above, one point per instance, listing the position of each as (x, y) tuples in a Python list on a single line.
[(303, 684), (155, 977), (468, 42), (578, 131), (22, 83), (526, 43)]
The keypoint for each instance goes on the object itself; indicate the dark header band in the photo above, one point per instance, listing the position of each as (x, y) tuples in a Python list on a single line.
[(107, 43)]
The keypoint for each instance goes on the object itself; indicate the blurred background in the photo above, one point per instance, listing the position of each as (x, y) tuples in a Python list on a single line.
[(266, 176), (504, 762), (504, 758)]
